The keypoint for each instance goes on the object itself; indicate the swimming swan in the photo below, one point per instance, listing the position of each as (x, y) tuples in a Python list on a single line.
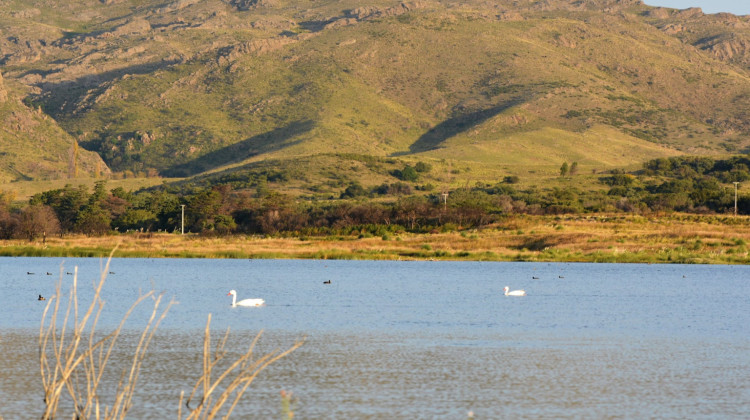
[(245, 302), (514, 292)]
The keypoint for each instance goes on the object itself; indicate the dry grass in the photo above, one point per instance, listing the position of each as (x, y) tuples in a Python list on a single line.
[(73, 362), (595, 238), (73, 358)]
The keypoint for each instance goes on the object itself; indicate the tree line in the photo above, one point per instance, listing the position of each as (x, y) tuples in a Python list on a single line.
[(685, 184)]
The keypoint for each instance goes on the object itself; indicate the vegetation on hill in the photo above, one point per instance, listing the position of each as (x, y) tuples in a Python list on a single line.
[(33, 146), (694, 185), (188, 87)]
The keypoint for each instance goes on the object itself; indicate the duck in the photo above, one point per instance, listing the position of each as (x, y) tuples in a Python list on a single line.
[(327, 282), (514, 292), (41, 298), (245, 302)]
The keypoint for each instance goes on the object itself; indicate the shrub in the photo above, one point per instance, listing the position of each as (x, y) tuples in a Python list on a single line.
[(511, 179), (423, 167)]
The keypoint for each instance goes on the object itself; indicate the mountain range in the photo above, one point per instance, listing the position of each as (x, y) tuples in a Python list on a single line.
[(320, 89)]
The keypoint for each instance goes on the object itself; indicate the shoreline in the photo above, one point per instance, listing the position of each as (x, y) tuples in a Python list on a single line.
[(678, 238)]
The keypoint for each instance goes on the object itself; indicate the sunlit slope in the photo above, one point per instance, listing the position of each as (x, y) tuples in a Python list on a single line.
[(201, 86), (34, 147)]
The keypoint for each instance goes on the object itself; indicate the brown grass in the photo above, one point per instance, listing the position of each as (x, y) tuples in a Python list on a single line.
[(597, 238)]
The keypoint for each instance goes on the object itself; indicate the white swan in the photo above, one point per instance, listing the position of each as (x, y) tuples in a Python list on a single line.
[(245, 302), (514, 292)]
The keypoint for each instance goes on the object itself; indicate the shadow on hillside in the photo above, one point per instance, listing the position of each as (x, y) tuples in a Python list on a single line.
[(535, 244), (64, 97), (454, 126), (315, 25), (270, 141)]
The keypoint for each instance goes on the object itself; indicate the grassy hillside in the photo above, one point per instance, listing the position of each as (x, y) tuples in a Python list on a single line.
[(190, 87), (34, 147)]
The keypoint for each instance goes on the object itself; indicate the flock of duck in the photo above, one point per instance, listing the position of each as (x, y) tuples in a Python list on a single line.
[(30, 273)]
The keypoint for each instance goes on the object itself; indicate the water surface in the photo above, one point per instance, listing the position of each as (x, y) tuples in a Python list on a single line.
[(419, 339)]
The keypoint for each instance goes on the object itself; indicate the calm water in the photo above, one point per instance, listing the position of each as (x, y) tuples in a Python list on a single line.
[(419, 339)]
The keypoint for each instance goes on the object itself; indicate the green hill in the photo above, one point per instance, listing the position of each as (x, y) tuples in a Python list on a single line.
[(34, 147), (505, 87)]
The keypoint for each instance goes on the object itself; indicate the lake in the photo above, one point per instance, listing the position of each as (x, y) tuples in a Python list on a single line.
[(389, 339)]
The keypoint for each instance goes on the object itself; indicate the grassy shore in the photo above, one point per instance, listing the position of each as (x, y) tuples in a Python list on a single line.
[(579, 238)]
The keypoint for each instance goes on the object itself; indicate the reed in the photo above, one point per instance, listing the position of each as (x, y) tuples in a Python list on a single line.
[(73, 360), (74, 355), (212, 395)]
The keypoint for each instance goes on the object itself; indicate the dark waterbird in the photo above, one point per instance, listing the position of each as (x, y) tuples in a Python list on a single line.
[(327, 282), (41, 298)]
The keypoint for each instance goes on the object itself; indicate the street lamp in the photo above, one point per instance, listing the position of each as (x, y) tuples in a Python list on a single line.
[(735, 198), (182, 220)]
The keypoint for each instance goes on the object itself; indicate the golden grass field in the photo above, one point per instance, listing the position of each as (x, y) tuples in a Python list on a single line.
[(581, 238)]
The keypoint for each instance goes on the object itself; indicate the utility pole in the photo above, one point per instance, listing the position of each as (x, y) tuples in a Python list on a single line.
[(182, 220), (445, 199), (735, 198)]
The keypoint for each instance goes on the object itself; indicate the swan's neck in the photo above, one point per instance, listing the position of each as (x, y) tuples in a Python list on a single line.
[(234, 299)]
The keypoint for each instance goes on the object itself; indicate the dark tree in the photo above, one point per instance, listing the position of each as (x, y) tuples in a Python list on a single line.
[(36, 220)]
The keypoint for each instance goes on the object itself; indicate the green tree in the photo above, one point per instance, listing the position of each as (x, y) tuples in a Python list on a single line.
[(93, 220), (135, 219), (354, 190), (100, 193), (409, 174), (67, 203), (201, 210), (564, 169), (224, 224)]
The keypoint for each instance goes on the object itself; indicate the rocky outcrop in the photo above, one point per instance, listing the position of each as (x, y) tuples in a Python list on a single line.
[(26, 13), (730, 49), (371, 12), (133, 27), (177, 5), (254, 47), (253, 4), (673, 28), (608, 6), (658, 13), (691, 13)]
